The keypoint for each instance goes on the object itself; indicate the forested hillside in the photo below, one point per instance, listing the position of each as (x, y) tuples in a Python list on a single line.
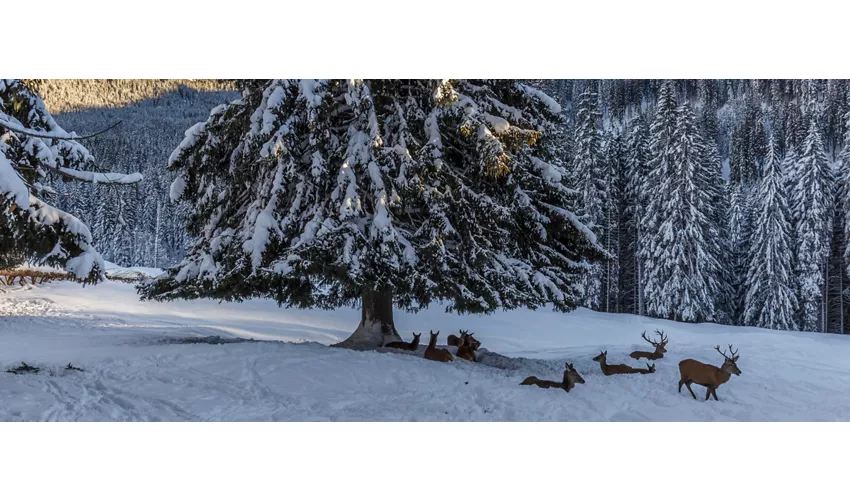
[(719, 200), (131, 225)]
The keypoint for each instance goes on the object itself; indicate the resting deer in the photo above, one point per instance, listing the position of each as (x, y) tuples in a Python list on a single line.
[(465, 349), (407, 346), (709, 376), (435, 354), (454, 339), (619, 369), (660, 347), (571, 378)]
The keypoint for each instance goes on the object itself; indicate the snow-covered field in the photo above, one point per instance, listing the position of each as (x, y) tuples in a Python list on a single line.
[(137, 366)]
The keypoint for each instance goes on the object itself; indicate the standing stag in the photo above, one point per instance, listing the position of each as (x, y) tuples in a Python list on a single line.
[(709, 376), (433, 353), (619, 369), (571, 378), (660, 347)]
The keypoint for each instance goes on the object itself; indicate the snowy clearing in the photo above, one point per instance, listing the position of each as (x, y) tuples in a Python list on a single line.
[(145, 361)]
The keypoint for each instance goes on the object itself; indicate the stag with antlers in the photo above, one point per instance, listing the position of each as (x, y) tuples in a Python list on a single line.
[(660, 347), (708, 376)]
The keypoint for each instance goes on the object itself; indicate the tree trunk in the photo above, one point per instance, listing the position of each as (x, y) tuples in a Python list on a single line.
[(376, 324)]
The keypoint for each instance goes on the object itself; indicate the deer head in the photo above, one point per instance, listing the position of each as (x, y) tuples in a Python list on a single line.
[(469, 340), (601, 357), (729, 365), (571, 375), (433, 342), (659, 346)]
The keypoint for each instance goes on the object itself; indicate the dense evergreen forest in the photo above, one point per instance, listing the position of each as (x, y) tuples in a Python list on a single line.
[(715, 200)]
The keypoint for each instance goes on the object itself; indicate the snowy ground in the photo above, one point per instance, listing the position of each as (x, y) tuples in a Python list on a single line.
[(138, 368)]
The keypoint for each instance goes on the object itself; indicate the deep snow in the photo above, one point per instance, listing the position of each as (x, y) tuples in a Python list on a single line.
[(139, 368)]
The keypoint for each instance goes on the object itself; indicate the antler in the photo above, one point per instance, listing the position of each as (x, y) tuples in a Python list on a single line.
[(643, 335), (723, 353), (733, 353), (663, 337)]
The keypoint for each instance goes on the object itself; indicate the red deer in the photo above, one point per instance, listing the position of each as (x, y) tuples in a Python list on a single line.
[(464, 349), (619, 369), (571, 378), (453, 340), (709, 376), (433, 353), (660, 348), (407, 346)]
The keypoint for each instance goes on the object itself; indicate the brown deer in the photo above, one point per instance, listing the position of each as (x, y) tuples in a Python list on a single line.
[(454, 339), (619, 369), (465, 349), (571, 378), (407, 346), (435, 354), (709, 376), (660, 348)]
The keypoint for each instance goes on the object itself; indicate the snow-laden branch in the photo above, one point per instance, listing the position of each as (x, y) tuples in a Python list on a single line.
[(52, 135), (101, 177)]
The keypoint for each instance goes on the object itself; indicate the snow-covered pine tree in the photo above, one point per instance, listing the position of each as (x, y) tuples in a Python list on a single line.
[(739, 233), (588, 165), (843, 171), (716, 232), (612, 176), (681, 262), (812, 199), (635, 198), (34, 151), (771, 299), (329, 193)]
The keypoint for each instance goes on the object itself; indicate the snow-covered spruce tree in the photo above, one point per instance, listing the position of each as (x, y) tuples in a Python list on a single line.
[(612, 177), (34, 151), (771, 300), (589, 173), (716, 230), (812, 199), (681, 262), (328, 193), (740, 227), (635, 197)]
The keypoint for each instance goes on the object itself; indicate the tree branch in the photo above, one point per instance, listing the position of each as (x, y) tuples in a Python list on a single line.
[(48, 135)]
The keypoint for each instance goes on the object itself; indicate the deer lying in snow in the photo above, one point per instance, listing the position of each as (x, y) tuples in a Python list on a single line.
[(454, 339), (709, 376), (660, 348), (620, 369), (407, 346), (571, 378), (464, 349), (435, 354)]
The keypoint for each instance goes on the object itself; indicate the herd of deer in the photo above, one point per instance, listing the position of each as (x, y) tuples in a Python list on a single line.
[(691, 370)]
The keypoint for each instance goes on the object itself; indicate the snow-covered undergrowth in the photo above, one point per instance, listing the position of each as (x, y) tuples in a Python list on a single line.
[(141, 363)]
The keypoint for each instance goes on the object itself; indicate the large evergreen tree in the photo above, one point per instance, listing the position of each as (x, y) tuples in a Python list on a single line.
[(589, 171), (34, 152), (813, 185), (383, 192), (771, 300), (681, 262)]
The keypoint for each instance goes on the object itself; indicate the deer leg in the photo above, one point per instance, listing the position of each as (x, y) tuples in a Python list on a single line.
[(681, 383), (708, 392), (714, 393), (688, 385)]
